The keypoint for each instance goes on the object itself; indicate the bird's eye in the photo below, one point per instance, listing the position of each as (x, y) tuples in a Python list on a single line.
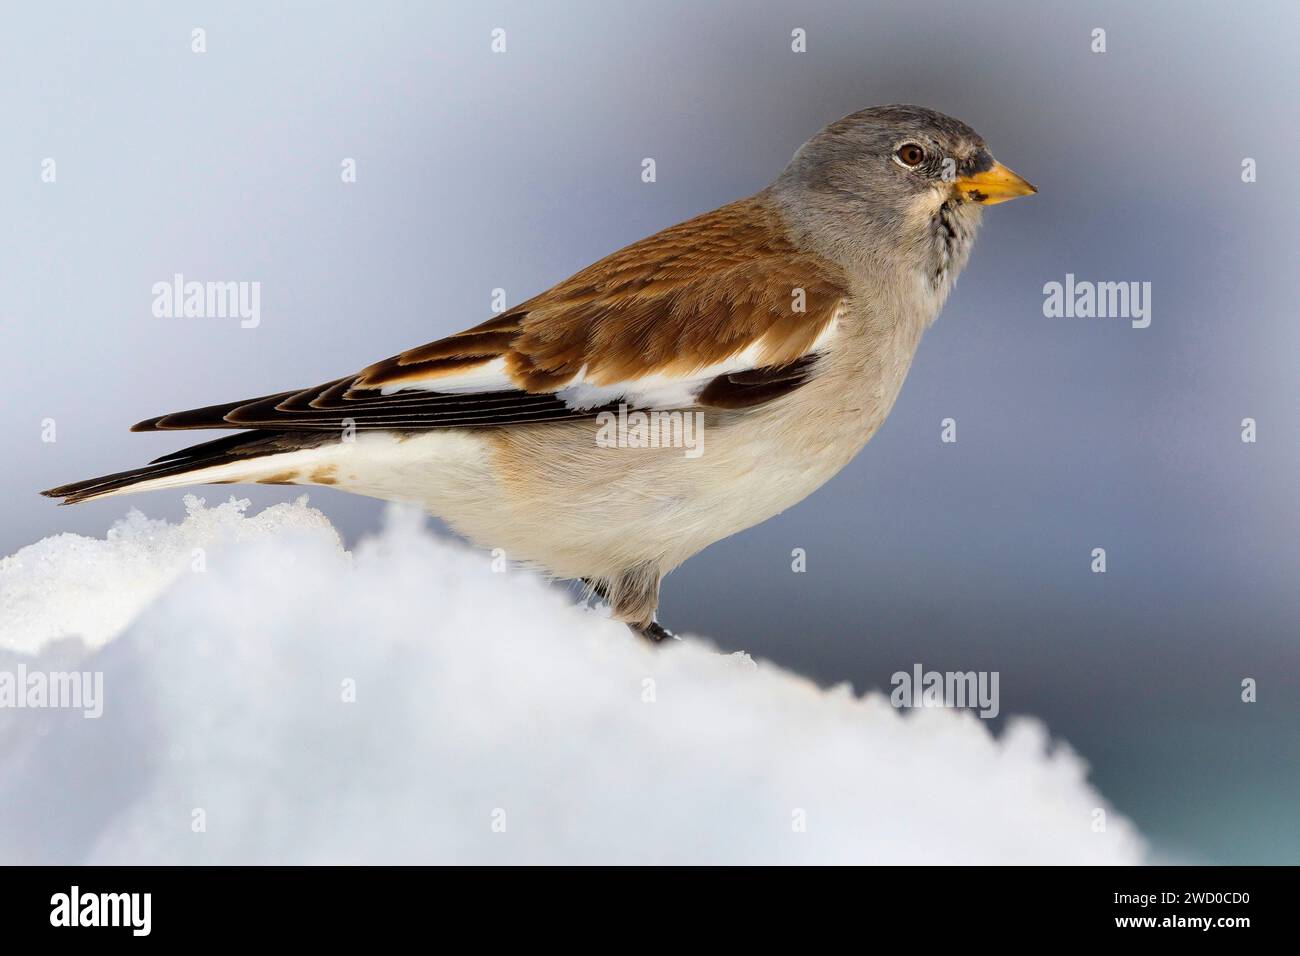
[(909, 154)]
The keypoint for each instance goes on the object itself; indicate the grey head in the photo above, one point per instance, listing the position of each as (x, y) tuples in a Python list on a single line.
[(894, 188)]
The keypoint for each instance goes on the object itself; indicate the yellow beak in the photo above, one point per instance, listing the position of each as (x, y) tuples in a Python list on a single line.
[(992, 186)]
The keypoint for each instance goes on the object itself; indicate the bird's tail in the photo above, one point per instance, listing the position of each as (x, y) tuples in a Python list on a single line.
[(254, 456)]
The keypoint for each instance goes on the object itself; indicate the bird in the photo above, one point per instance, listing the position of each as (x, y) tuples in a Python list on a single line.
[(773, 333)]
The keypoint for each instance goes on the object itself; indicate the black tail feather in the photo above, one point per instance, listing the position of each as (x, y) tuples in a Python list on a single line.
[(220, 451)]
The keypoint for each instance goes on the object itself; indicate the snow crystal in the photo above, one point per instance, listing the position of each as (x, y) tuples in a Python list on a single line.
[(271, 698)]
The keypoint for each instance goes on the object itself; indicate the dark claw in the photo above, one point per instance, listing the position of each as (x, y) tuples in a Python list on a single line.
[(654, 632)]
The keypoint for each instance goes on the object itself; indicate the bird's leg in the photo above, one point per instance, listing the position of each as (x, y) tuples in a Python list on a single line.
[(634, 595)]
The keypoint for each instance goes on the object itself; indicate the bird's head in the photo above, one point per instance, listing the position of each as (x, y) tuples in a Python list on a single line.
[(897, 179)]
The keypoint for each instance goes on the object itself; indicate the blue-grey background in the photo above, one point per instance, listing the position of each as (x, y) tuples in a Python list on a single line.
[(479, 170)]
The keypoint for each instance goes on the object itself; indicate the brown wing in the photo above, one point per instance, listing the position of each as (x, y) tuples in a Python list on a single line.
[(728, 286)]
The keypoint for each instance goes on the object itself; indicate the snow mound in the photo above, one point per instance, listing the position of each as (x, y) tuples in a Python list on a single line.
[(284, 701), (69, 584)]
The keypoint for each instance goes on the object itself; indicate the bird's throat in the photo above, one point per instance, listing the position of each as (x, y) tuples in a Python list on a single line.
[(952, 233)]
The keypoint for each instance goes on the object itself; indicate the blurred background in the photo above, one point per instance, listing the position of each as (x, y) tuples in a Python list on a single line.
[(478, 170)]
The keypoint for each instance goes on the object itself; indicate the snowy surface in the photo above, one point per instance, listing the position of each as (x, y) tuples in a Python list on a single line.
[(405, 703), (90, 587)]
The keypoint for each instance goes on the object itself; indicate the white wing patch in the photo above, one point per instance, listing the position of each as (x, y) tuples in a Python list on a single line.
[(657, 390), (653, 390), (660, 390)]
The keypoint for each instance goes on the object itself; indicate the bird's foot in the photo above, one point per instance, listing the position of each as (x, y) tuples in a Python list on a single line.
[(654, 632)]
